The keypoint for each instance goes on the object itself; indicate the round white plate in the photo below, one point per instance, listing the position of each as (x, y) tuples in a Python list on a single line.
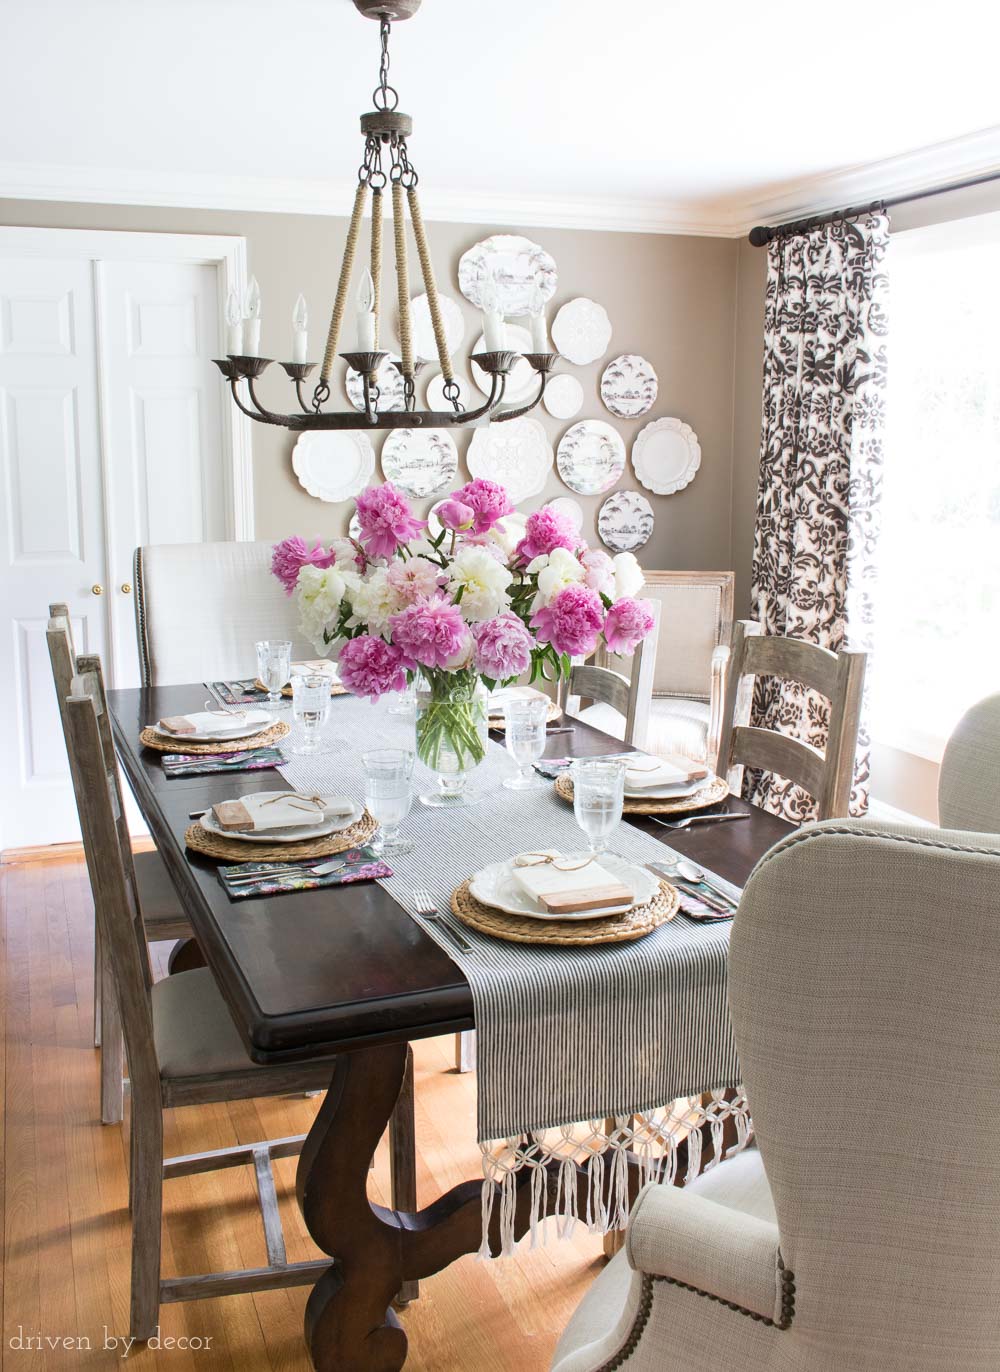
[(629, 385), (333, 464), (678, 792), (625, 521), (569, 508), (436, 399), (419, 461), (666, 455), (390, 387), (581, 331), (517, 454), (294, 834), (495, 886), (517, 266), (591, 457), (563, 396), (422, 330), (522, 381), (254, 721)]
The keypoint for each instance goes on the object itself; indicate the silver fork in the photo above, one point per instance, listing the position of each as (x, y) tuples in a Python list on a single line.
[(697, 819), (320, 869), (427, 907)]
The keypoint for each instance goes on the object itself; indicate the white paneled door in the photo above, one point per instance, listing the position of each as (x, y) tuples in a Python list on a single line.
[(113, 433)]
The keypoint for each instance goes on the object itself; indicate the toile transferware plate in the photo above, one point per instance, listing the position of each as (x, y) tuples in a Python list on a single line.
[(496, 887), (581, 331), (625, 521), (629, 385), (333, 464), (517, 454), (419, 461), (389, 380), (591, 457), (518, 268), (666, 456)]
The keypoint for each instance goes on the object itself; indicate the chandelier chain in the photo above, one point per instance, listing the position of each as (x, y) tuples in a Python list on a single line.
[(385, 97)]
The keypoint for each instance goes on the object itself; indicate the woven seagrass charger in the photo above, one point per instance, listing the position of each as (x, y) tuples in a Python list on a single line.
[(235, 850), (617, 928), (149, 739), (710, 794)]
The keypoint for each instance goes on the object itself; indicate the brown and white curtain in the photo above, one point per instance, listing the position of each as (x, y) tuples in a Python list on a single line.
[(825, 330)]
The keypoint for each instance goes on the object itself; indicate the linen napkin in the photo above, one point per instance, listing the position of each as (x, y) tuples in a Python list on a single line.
[(278, 810), (644, 772), (575, 886), (360, 864), (204, 764)]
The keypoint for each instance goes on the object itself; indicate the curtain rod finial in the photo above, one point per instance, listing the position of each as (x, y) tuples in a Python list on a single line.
[(760, 236)]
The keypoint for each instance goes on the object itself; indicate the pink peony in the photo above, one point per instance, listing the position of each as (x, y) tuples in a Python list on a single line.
[(371, 667), (627, 624), (456, 515), (431, 633), (503, 647), (291, 555), (599, 571), (386, 520), (545, 531), (488, 500), (415, 579), (571, 622)]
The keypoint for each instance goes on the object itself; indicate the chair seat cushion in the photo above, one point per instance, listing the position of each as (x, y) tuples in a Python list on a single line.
[(675, 725), (601, 1321), (162, 912), (193, 1030)]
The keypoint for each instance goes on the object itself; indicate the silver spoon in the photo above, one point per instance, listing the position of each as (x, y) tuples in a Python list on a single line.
[(673, 871), (690, 871), (322, 869)]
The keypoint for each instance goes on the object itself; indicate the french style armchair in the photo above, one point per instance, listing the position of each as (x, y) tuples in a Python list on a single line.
[(969, 781)]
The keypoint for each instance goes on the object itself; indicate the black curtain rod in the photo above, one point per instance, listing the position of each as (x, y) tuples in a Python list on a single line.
[(762, 234)]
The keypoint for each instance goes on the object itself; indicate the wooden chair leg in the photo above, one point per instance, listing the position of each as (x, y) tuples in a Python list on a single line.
[(98, 982), (465, 1051), (112, 1049), (147, 1197), (403, 1161)]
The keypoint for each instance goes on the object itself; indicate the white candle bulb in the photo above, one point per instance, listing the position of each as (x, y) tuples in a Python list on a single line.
[(494, 332), (251, 320), (539, 333), (234, 324), (366, 314), (300, 323)]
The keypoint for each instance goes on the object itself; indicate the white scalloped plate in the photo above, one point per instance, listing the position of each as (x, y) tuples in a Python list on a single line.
[(629, 385), (517, 266), (582, 331), (591, 457), (496, 887), (333, 464), (666, 456), (521, 380), (517, 454), (569, 508), (563, 396), (424, 342), (625, 521), (419, 461)]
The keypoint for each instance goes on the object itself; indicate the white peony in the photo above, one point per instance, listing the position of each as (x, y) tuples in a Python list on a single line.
[(483, 581), (628, 575), (319, 592), (555, 571), (508, 532), (374, 599)]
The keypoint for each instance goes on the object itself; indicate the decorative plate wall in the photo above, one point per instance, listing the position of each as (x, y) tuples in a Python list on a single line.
[(424, 342), (625, 521), (563, 396), (629, 385), (582, 331), (333, 464), (390, 386), (522, 382), (569, 509), (666, 455), (354, 526), (436, 397), (517, 266), (591, 457), (517, 454), (419, 461)]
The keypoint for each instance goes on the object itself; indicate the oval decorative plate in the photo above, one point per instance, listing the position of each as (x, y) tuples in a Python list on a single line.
[(521, 380), (582, 331), (517, 266), (390, 387), (419, 461), (436, 397), (517, 454), (625, 521), (333, 464), (569, 508), (563, 396), (629, 385), (424, 342), (666, 455), (591, 457)]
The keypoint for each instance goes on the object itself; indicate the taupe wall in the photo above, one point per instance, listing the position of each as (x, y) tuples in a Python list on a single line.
[(670, 299)]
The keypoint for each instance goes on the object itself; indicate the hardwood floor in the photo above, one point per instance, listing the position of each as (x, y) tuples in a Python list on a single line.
[(64, 1188)]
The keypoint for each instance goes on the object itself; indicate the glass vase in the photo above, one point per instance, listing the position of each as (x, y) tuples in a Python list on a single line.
[(452, 732)]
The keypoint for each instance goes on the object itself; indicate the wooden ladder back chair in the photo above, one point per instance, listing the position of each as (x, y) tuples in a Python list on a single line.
[(827, 776), (629, 696)]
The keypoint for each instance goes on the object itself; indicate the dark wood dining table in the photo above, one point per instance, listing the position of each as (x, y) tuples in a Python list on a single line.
[(356, 979)]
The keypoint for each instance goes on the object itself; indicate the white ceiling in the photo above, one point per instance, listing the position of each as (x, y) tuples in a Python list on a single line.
[(650, 113)]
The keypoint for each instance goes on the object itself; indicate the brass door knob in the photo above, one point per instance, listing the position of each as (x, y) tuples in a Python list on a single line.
[(96, 589), (126, 588)]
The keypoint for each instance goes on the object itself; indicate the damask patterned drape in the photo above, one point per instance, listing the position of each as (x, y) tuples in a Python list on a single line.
[(825, 329)]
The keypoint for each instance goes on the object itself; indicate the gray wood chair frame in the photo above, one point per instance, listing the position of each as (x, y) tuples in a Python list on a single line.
[(827, 776), (630, 696), (124, 935)]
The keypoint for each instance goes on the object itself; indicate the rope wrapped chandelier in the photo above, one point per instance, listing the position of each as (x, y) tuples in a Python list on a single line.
[(386, 131)]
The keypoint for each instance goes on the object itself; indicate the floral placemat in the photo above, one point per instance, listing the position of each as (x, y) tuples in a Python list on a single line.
[(357, 864), (193, 765)]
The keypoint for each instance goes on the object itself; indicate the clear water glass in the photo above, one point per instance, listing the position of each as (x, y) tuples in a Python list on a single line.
[(524, 722), (310, 707), (389, 795), (274, 666), (403, 702), (598, 796)]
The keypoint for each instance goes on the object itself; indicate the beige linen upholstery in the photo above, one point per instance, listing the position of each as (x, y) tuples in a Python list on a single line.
[(969, 783), (675, 725), (863, 973), (201, 607)]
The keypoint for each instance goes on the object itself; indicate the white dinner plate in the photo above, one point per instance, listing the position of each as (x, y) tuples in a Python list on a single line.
[(295, 834), (255, 721), (496, 887), (677, 791)]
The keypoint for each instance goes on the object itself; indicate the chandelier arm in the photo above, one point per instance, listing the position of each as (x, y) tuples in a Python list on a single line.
[(430, 284), (302, 404), (376, 262), (516, 411), (268, 416), (495, 396), (346, 268), (402, 279)]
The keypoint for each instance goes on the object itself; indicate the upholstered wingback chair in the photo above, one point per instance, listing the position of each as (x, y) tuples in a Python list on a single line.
[(201, 607), (969, 781), (861, 1233)]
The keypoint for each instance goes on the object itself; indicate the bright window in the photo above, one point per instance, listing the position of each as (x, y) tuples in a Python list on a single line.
[(938, 643)]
